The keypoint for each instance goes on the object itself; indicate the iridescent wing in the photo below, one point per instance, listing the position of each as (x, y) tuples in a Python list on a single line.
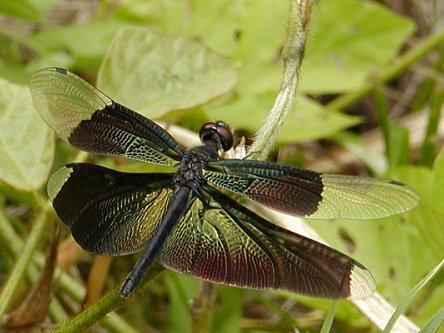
[(310, 194), (224, 242), (109, 212), (87, 119)]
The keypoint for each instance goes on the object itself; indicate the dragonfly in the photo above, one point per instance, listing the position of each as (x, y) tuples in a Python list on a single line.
[(198, 219)]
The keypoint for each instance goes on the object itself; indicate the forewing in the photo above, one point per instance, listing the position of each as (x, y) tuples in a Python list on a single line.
[(109, 212), (227, 243), (87, 119), (310, 194)]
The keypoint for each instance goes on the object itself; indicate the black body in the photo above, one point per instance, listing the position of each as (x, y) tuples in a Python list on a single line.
[(189, 220)]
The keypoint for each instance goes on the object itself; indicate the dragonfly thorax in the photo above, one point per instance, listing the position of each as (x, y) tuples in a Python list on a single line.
[(188, 220), (191, 166)]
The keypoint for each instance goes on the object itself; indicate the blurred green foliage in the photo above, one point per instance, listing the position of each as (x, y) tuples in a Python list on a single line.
[(194, 61)]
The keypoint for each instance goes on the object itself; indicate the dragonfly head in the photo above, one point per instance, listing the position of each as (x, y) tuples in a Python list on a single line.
[(217, 133)]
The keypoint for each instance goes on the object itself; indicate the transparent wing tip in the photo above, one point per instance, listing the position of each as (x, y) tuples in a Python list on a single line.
[(56, 182), (362, 283)]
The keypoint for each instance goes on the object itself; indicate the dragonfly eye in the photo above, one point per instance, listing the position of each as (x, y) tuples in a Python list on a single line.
[(219, 133)]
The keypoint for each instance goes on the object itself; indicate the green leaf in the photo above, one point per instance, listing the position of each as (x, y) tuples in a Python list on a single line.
[(375, 161), (393, 252), (392, 249), (228, 311), (398, 152), (434, 301), (26, 143), (13, 72), (20, 8), (344, 311), (181, 289), (434, 323), (155, 73), (328, 321), (88, 40), (308, 120), (437, 181), (262, 31), (215, 22), (349, 40), (311, 121), (44, 5), (434, 116), (336, 60), (428, 216), (431, 213), (408, 299), (51, 59)]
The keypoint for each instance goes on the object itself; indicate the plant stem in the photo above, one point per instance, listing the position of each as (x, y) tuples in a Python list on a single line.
[(70, 286), (19, 269), (104, 305), (14, 244), (8, 237), (428, 146), (412, 293), (292, 54), (203, 307), (328, 321)]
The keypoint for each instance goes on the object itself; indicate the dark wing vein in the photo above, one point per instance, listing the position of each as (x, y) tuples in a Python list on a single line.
[(87, 119), (227, 243), (109, 212), (310, 194)]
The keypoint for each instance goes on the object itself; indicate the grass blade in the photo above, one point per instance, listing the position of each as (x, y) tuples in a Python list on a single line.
[(404, 304), (328, 321), (434, 323)]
